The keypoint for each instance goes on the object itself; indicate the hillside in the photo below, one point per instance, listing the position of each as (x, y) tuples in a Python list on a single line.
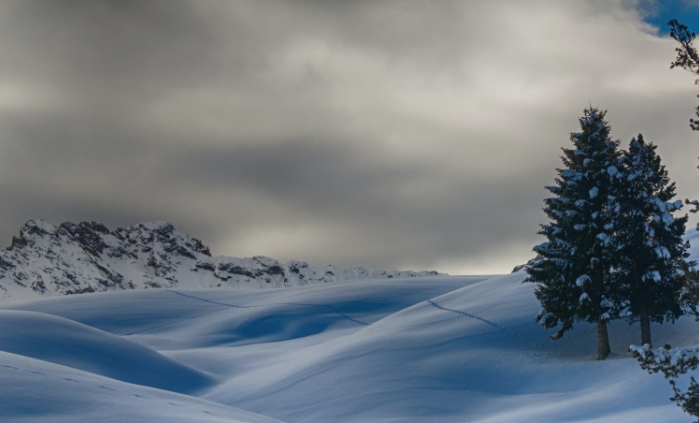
[(438, 349), (88, 257)]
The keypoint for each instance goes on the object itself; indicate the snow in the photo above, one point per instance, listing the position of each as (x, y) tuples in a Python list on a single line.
[(443, 349), (581, 280), (662, 252), (154, 225), (673, 355), (652, 276), (88, 257), (38, 391), (62, 341), (593, 192)]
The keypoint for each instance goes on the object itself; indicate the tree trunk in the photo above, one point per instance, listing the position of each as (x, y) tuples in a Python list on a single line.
[(645, 328), (603, 349)]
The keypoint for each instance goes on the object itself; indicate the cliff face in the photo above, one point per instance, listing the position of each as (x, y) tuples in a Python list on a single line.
[(88, 257)]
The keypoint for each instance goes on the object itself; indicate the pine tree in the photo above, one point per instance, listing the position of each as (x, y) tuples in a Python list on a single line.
[(650, 249), (673, 364), (687, 56), (574, 282)]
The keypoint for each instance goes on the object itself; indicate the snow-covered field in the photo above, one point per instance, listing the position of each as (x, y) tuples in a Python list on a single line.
[(439, 349)]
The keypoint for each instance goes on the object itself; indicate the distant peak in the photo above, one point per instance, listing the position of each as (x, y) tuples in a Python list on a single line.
[(94, 226), (155, 225), (34, 225)]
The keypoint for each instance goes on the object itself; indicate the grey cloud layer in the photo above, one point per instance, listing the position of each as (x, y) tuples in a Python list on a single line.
[(382, 133)]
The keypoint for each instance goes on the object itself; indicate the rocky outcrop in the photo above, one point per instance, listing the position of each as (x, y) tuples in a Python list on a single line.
[(89, 257)]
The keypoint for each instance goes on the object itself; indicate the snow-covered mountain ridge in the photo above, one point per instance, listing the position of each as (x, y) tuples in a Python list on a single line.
[(88, 257)]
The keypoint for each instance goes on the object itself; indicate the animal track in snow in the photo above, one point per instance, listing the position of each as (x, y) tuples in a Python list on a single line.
[(473, 316)]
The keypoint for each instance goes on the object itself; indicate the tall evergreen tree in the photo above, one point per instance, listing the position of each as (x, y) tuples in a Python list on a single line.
[(650, 249), (574, 282)]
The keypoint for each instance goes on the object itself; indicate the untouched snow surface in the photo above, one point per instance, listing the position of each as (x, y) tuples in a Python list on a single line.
[(435, 349), (72, 344), (34, 391)]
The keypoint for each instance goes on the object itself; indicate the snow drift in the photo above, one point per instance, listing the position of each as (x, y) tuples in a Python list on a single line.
[(62, 341)]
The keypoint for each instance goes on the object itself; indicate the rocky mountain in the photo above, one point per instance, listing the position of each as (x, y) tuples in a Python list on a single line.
[(89, 257)]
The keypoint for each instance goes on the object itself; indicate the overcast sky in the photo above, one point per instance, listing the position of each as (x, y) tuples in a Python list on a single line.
[(390, 134)]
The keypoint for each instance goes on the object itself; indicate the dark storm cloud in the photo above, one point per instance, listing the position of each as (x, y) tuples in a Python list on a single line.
[(386, 210), (383, 133)]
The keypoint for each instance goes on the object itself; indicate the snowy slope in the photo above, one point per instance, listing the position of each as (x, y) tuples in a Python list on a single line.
[(485, 361), (88, 257), (33, 391), (63, 341), (437, 349)]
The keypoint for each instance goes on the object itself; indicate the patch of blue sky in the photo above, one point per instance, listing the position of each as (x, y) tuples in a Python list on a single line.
[(659, 12)]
